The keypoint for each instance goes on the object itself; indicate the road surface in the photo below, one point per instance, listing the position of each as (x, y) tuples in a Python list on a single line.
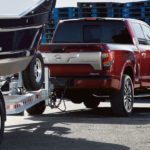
[(78, 129)]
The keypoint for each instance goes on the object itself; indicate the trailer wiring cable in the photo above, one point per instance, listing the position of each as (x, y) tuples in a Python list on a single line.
[(63, 100), (53, 99)]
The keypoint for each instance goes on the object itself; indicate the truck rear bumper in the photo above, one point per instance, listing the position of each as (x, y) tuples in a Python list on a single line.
[(101, 83)]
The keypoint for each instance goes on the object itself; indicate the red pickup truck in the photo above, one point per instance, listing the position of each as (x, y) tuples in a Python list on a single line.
[(97, 59)]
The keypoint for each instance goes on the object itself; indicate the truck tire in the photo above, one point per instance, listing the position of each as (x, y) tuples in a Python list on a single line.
[(37, 109), (91, 102), (122, 101), (33, 76), (2, 119)]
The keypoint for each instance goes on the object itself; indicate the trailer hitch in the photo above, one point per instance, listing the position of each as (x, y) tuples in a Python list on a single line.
[(55, 102)]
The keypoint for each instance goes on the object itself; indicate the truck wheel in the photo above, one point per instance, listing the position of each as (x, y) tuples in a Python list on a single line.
[(38, 109), (33, 76), (91, 102), (2, 120), (122, 101)]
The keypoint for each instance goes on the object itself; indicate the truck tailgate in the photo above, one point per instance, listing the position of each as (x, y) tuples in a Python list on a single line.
[(92, 59), (72, 59)]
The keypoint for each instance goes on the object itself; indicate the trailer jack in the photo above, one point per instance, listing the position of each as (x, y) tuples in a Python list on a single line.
[(52, 101)]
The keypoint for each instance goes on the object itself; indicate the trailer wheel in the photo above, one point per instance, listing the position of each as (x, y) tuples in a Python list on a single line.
[(37, 109), (33, 76), (122, 101), (2, 119)]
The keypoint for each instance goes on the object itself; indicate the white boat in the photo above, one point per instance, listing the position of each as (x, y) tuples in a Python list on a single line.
[(22, 24)]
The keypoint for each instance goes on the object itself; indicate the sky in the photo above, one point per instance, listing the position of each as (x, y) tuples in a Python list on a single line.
[(73, 3)]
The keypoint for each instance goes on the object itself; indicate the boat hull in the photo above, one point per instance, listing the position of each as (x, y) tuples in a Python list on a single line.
[(14, 65), (20, 37)]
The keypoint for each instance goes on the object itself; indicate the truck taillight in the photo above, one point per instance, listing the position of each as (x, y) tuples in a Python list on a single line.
[(107, 59)]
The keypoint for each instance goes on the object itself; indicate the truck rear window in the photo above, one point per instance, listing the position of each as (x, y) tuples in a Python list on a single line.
[(107, 31)]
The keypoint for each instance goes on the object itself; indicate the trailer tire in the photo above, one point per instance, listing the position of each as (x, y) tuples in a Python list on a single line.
[(2, 119), (33, 75), (37, 109)]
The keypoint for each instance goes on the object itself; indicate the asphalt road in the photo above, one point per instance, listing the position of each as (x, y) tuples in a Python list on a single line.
[(78, 129)]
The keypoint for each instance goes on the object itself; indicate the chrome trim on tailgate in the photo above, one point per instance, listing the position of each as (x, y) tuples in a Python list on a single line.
[(93, 58)]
